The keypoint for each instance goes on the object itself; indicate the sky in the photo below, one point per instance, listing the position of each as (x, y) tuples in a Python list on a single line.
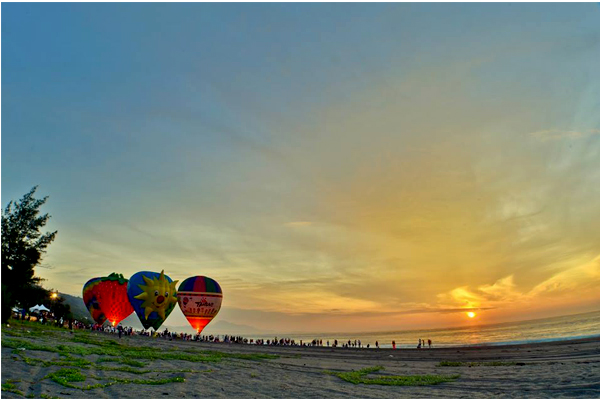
[(335, 167)]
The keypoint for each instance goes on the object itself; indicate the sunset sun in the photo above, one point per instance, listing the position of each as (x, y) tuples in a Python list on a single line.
[(471, 314)]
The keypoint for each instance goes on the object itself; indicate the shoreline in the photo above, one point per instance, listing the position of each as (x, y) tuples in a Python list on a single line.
[(440, 351), (532, 341), (583, 325)]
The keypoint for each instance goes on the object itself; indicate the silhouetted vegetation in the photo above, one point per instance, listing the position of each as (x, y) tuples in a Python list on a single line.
[(22, 248)]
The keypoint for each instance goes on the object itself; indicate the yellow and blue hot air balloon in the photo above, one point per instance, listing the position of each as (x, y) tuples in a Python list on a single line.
[(153, 297)]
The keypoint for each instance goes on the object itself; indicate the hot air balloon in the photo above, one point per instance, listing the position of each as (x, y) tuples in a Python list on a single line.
[(200, 300), (112, 297), (91, 300), (153, 297)]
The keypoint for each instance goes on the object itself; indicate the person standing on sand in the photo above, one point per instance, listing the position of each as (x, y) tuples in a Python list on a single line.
[(394, 344), (429, 342), (376, 344), (419, 346)]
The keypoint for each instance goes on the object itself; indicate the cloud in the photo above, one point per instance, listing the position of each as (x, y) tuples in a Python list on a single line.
[(556, 134), (504, 293), (489, 295), (582, 279)]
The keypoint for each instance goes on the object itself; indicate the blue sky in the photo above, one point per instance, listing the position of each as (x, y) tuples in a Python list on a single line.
[(298, 153)]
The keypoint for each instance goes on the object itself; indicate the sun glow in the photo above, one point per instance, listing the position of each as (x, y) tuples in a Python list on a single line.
[(471, 314)]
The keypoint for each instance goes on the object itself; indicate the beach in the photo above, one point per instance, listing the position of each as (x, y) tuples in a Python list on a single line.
[(40, 361)]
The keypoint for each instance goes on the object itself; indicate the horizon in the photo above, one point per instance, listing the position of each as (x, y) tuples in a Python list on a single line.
[(331, 166), (211, 327), (411, 330)]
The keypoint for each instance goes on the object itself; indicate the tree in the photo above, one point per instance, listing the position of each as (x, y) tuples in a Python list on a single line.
[(60, 309), (32, 295), (22, 248)]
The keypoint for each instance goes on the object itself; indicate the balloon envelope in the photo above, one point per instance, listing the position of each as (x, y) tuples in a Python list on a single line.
[(90, 298), (153, 297), (200, 300), (112, 298)]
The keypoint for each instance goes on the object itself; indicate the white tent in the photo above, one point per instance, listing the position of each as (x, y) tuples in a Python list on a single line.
[(38, 308)]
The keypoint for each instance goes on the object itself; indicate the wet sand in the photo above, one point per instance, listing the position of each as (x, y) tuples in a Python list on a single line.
[(562, 369)]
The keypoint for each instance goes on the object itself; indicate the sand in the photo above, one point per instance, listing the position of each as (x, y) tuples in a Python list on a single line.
[(563, 369)]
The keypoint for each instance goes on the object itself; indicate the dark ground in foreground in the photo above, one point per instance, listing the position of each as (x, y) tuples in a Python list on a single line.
[(42, 362)]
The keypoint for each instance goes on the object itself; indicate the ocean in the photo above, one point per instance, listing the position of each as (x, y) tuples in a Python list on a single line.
[(548, 329)]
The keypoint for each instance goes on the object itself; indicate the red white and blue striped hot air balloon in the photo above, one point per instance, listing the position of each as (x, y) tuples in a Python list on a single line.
[(200, 300)]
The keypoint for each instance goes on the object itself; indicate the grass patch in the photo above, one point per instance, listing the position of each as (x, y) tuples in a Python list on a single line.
[(107, 359), (475, 364), (86, 351), (66, 376), (87, 339), (177, 379), (132, 363), (67, 360), (451, 364), (125, 361), (126, 369), (239, 356), (10, 387), (12, 333), (360, 377), (31, 328), (145, 371), (85, 364), (109, 350), (409, 380), (18, 344)]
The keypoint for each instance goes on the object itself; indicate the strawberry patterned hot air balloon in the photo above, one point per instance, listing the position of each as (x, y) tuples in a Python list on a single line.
[(90, 298), (200, 300), (111, 293)]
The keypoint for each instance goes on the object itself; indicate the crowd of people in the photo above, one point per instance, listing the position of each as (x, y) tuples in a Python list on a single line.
[(121, 331), (166, 334)]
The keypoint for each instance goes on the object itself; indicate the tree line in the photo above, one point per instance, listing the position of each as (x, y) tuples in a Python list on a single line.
[(23, 246)]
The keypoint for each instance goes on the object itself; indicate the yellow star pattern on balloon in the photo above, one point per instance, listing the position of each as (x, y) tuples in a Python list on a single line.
[(158, 294)]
